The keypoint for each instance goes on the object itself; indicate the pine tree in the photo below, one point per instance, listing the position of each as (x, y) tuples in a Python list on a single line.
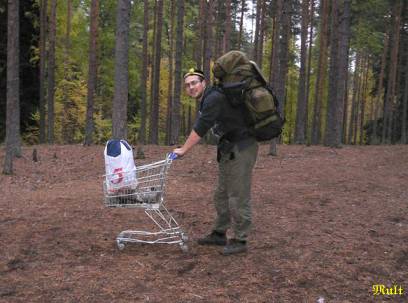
[(178, 74), (51, 71), (43, 59), (13, 141), (92, 72), (154, 115), (120, 99)]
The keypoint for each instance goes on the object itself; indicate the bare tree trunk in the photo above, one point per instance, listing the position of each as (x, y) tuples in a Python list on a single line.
[(358, 101), (380, 90), (273, 57), (321, 72), (68, 127), (120, 98), (219, 18), (227, 36), (154, 121), (152, 68), (142, 131), (263, 27), (338, 71), (404, 139), (309, 68), (198, 42), (283, 64), (274, 66), (202, 23), (92, 72), (301, 109), (171, 72), (354, 111), (274, 63), (345, 110), (257, 30), (363, 98), (389, 100), (51, 71), (178, 74), (13, 87), (208, 41), (241, 24), (43, 59)]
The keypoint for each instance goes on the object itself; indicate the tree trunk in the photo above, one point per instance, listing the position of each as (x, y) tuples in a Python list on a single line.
[(389, 100), (363, 98), (258, 15), (51, 71), (338, 71), (283, 64), (13, 87), (321, 72), (263, 26), (241, 24), (227, 36), (358, 101), (274, 63), (120, 98), (143, 90), (68, 127), (354, 110), (219, 15), (380, 89), (309, 68), (171, 72), (92, 72), (43, 59), (345, 110), (301, 110), (154, 120), (178, 74), (274, 66), (208, 40), (404, 139), (202, 23)]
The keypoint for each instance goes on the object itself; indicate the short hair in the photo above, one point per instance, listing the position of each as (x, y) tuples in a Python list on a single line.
[(194, 72)]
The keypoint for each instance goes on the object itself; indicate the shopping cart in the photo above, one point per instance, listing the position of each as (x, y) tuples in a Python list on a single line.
[(144, 188)]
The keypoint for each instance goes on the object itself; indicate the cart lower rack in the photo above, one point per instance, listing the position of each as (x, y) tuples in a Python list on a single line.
[(144, 188)]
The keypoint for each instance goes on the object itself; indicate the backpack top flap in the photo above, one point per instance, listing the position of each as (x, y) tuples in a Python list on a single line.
[(233, 66), (258, 72)]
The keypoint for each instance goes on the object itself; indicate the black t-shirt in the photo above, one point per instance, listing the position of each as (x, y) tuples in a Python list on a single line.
[(216, 110)]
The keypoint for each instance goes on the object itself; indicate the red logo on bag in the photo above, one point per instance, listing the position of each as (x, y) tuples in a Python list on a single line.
[(118, 172)]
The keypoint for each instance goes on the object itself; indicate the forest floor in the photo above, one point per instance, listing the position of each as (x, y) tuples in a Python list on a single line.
[(327, 223)]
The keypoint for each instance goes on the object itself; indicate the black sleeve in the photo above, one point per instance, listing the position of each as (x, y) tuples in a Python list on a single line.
[(210, 112)]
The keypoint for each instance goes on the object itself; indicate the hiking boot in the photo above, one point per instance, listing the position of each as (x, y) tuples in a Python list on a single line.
[(215, 238), (234, 246)]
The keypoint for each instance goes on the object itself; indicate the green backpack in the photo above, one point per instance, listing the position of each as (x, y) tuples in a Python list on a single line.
[(243, 83)]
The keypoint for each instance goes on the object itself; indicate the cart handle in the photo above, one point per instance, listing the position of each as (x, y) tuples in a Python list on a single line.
[(172, 156)]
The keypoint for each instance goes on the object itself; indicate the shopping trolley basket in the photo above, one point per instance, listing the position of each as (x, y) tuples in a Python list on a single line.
[(144, 188)]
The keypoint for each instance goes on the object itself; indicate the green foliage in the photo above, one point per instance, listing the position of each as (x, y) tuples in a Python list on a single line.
[(370, 19)]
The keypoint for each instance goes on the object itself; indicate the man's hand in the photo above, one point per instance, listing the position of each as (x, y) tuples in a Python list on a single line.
[(192, 140), (179, 151)]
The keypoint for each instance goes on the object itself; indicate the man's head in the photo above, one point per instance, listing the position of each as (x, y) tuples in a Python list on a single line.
[(194, 83)]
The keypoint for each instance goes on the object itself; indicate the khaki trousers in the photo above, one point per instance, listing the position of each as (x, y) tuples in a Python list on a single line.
[(233, 193)]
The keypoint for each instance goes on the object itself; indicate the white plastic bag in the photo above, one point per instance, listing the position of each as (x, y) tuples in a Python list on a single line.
[(120, 167)]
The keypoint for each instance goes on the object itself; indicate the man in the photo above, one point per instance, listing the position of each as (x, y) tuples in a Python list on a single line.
[(236, 156)]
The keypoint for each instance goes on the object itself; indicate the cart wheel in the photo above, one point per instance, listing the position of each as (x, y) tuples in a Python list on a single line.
[(121, 245), (184, 237), (184, 247)]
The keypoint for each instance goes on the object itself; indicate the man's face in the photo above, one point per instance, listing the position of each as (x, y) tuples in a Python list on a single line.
[(195, 86)]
